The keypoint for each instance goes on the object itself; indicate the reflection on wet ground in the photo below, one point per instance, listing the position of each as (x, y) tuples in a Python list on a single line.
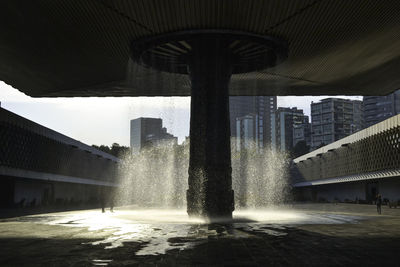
[(305, 235), (163, 230)]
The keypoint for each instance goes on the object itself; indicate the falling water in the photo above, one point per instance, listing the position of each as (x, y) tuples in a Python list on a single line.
[(155, 177), (259, 177), (158, 175)]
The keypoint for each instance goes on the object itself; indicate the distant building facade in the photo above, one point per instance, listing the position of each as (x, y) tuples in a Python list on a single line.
[(353, 169), (286, 121), (247, 131), (302, 132), (379, 108), (333, 119), (260, 108), (147, 132)]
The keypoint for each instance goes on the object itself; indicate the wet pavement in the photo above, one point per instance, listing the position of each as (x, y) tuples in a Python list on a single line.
[(313, 234)]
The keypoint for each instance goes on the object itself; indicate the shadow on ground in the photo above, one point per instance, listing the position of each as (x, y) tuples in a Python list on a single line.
[(297, 248)]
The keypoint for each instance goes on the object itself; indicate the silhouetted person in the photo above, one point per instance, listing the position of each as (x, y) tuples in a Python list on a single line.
[(21, 203), (379, 204), (102, 201), (112, 202)]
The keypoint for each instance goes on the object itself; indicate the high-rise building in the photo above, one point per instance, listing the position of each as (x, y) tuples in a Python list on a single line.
[(379, 108), (247, 131), (286, 120), (302, 132), (147, 132), (262, 108), (333, 119)]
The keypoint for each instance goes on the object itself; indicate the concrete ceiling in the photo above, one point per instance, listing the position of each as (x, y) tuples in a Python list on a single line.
[(81, 48)]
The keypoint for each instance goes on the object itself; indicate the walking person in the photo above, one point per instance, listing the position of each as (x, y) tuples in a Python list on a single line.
[(102, 200), (379, 204), (112, 202)]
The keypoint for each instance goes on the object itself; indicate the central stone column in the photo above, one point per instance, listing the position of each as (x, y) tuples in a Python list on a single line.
[(210, 191)]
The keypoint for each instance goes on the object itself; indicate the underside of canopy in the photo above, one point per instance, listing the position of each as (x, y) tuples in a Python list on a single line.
[(84, 48)]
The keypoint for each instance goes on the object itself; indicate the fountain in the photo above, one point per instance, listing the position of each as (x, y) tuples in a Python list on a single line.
[(260, 177), (209, 57), (157, 178)]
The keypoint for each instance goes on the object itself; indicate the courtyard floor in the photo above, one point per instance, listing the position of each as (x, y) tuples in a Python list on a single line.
[(296, 235)]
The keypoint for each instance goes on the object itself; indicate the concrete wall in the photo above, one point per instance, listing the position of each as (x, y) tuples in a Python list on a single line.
[(29, 193), (341, 192), (389, 189), (76, 192)]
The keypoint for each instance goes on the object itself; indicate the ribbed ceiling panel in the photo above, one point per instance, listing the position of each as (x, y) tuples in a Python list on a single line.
[(82, 48)]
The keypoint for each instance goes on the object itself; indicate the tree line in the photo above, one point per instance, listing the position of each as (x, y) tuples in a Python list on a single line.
[(115, 149)]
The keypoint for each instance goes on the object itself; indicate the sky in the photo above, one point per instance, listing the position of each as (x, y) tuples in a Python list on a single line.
[(105, 120)]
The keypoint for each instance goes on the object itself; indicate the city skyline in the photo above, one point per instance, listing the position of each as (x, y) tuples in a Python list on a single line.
[(105, 120)]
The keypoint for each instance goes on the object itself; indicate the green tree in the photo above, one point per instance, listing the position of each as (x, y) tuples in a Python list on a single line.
[(115, 150), (119, 151)]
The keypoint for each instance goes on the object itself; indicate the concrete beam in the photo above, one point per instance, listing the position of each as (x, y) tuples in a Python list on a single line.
[(6, 171)]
